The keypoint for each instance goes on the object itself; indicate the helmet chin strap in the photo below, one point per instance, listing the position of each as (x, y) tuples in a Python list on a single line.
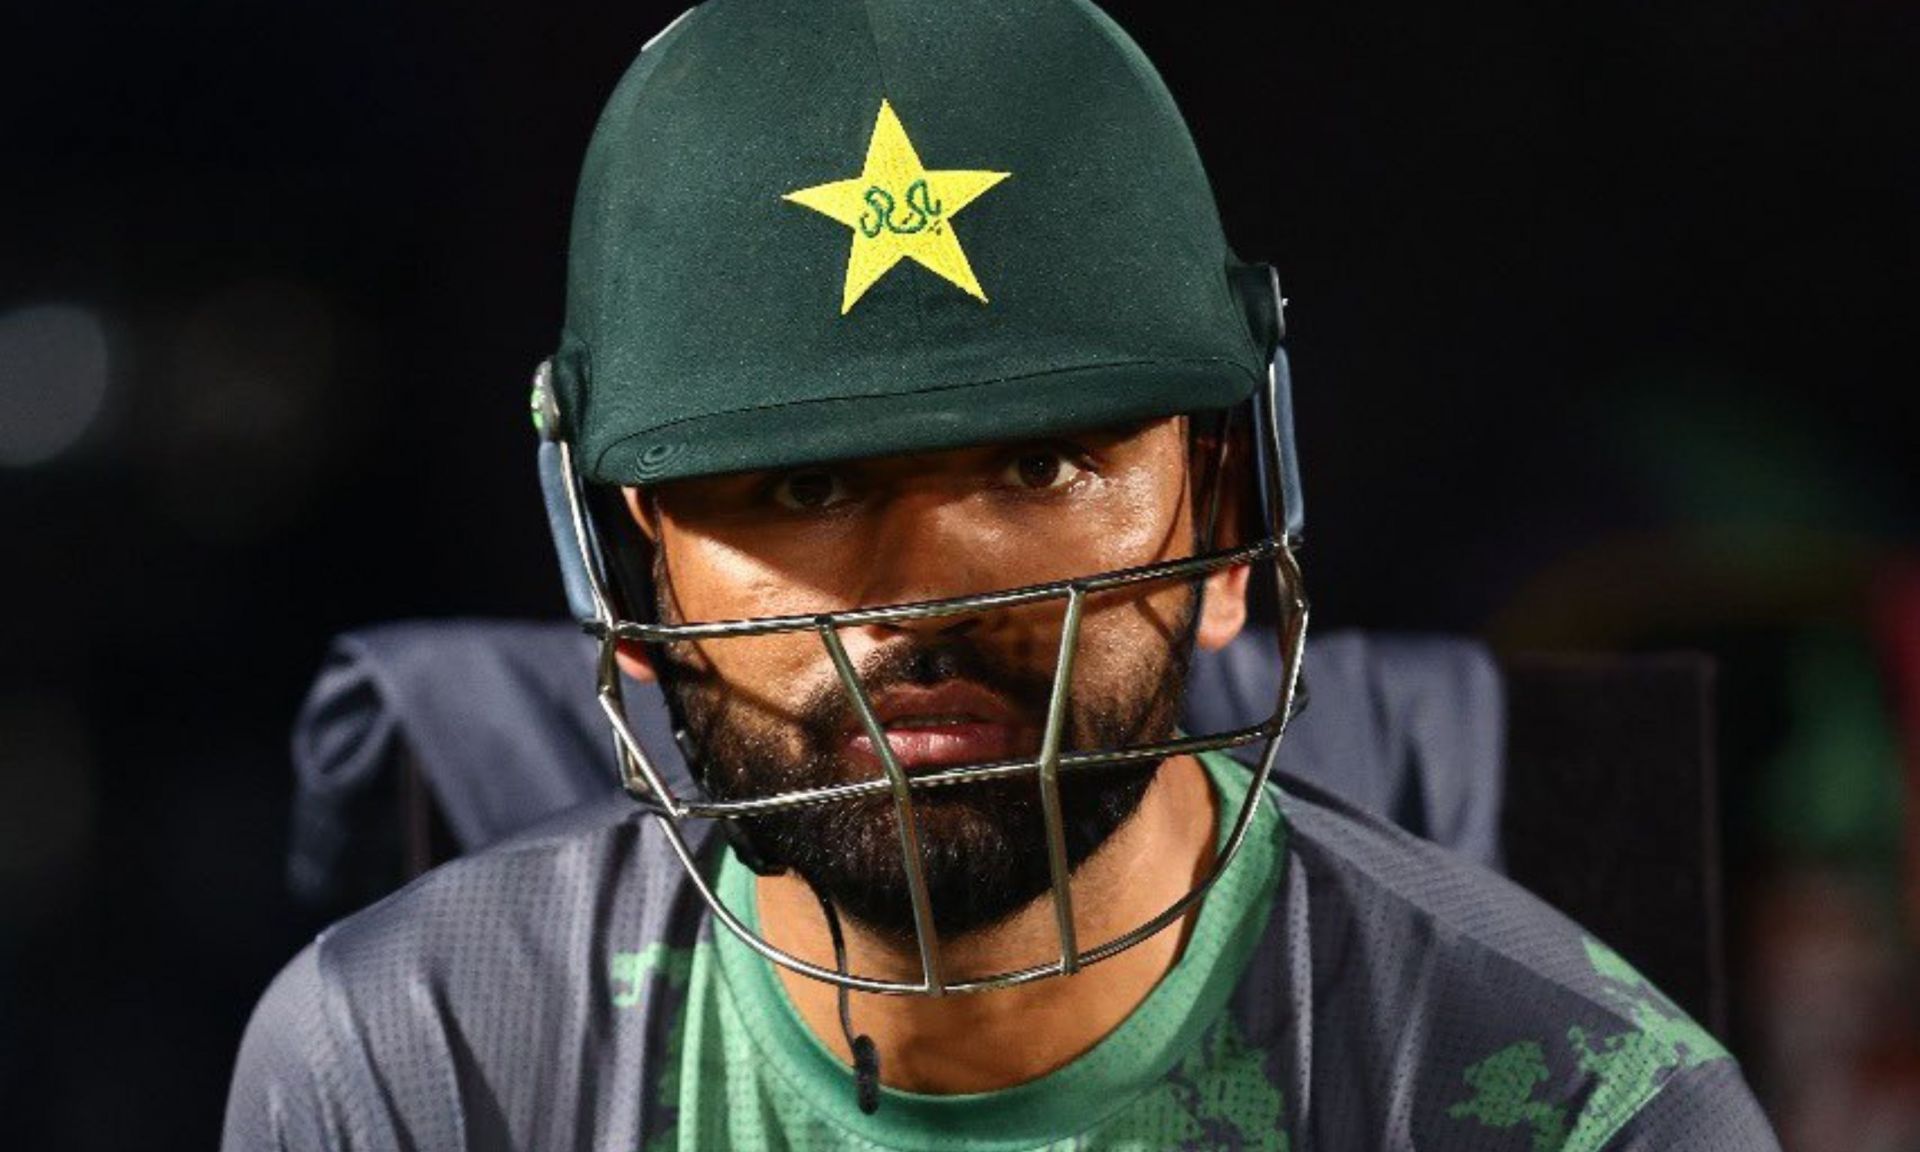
[(866, 1057)]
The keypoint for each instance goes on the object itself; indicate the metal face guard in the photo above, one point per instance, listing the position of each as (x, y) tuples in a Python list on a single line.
[(645, 784)]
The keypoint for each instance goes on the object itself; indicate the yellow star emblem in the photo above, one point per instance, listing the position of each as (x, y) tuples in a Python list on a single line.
[(897, 209)]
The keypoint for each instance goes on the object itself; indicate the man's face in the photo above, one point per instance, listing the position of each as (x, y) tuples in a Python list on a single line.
[(768, 714)]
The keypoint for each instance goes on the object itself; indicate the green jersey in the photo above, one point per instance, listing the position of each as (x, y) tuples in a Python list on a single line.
[(1345, 987)]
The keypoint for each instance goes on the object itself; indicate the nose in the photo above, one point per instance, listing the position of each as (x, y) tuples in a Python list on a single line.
[(928, 546)]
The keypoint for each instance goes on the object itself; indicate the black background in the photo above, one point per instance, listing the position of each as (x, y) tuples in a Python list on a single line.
[(327, 243)]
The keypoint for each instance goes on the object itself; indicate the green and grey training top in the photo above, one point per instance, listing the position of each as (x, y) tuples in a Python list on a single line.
[(1347, 987)]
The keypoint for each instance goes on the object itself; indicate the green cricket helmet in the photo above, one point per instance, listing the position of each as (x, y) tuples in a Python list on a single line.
[(810, 230), (807, 227)]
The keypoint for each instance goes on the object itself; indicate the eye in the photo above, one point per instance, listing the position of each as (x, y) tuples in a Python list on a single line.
[(1043, 467), (809, 491)]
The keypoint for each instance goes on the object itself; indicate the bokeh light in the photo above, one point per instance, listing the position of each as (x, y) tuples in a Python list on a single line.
[(54, 369)]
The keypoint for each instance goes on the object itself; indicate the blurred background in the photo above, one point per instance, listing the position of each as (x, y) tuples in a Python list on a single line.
[(1602, 331)]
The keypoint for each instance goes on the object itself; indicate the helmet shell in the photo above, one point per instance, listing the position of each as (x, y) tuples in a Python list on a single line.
[(712, 322)]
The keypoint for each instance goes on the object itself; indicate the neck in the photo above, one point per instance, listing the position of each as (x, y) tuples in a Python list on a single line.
[(982, 1041)]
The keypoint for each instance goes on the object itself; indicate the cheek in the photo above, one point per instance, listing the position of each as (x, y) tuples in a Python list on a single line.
[(764, 679), (1148, 523), (713, 578), (712, 581), (1141, 517), (1132, 628)]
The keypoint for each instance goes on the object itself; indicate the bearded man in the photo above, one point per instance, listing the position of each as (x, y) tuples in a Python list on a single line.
[(912, 424)]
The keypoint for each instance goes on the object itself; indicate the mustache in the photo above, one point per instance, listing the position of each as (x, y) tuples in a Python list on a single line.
[(828, 708)]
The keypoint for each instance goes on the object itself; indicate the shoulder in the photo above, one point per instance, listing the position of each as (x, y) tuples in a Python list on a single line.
[(282, 1089), (604, 857), (1471, 1007), (500, 960)]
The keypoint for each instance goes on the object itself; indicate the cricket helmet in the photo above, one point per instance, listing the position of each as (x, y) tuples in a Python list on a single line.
[(814, 230)]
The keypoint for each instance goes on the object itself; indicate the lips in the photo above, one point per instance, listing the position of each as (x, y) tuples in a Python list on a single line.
[(957, 722)]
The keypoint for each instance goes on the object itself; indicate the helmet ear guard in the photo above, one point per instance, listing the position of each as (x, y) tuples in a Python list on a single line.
[(1293, 512), (1257, 287), (584, 573), (575, 542), (604, 585)]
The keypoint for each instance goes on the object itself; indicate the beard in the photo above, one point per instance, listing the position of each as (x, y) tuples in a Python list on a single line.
[(983, 844)]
